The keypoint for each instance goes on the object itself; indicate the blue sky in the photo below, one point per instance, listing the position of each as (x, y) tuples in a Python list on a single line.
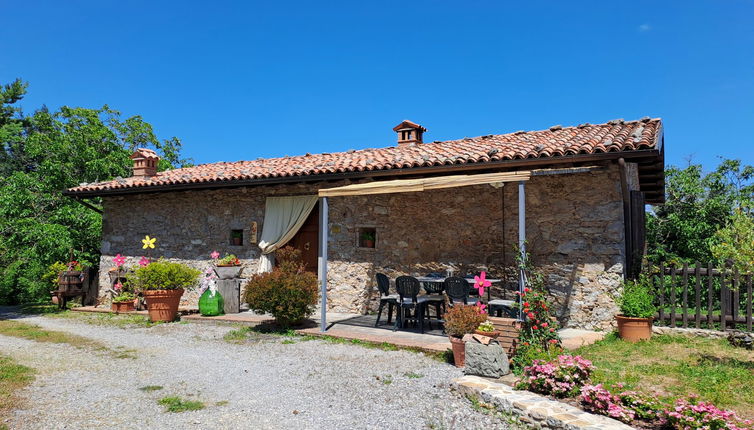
[(241, 80)]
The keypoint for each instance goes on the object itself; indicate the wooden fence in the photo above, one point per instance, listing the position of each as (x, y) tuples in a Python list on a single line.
[(702, 297)]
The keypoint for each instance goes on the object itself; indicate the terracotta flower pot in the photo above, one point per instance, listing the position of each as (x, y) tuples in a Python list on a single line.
[(368, 243), (163, 304), (492, 334), (459, 351), (634, 329), (227, 271), (119, 307)]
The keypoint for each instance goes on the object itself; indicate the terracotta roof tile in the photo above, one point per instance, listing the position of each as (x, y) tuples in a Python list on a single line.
[(557, 141)]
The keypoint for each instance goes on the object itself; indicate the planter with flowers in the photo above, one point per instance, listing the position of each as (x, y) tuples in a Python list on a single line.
[(162, 283), (459, 321), (125, 301), (637, 310), (487, 329), (228, 267)]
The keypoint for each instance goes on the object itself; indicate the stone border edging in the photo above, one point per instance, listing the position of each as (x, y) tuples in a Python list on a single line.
[(533, 409)]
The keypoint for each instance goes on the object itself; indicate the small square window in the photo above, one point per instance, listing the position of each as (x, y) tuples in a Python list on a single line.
[(236, 237), (367, 237)]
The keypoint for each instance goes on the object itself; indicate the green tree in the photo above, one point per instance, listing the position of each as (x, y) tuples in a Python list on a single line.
[(40, 156), (697, 206)]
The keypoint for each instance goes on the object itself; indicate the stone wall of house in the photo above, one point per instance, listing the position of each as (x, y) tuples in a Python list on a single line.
[(574, 233)]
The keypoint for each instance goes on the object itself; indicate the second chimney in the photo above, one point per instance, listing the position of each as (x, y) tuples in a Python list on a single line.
[(409, 133), (145, 162)]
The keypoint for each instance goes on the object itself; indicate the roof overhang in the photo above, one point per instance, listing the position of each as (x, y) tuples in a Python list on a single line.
[(650, 163)]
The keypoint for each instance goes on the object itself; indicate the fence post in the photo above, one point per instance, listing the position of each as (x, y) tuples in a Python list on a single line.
[(748, 302), (685, 295), (661, 291), (710, 292), (672, 296), (723, 289), (736, 296), (698, 288)]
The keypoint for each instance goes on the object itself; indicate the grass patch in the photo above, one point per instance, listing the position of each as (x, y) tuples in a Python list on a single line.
[(176, 404), (670, 366), (39, 334), (41, 308), (413, 375), (150, 388), (106, 319), (13, 377), (221, 403)]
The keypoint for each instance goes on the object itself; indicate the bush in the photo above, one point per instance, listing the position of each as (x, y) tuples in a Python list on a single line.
[(163, 275), (561, 378), (527, 353), (597, 399), (289, 293), (636, 300), (693, 414), (463, 319)]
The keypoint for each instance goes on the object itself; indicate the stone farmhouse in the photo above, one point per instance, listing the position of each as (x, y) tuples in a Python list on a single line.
[(411, 208)]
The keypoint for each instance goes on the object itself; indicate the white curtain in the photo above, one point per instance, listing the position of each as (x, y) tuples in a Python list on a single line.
[(283, 217)]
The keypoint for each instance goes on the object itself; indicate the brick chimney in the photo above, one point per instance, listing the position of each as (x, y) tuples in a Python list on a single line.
[(409, 133), (145, 162)]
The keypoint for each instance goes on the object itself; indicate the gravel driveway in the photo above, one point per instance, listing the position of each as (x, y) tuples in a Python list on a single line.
[(261, 384)]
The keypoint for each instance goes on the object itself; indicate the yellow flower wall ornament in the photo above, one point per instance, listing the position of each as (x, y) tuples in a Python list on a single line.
[(148, 242)]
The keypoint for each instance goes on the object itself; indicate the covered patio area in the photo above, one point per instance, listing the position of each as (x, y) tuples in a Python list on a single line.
[(496, 180)]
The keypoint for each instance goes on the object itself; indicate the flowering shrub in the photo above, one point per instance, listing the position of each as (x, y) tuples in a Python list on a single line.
[(289, 292), (595, 398), (561, 378), (693, 414), (163, 275), (463, 319), (538, 336)]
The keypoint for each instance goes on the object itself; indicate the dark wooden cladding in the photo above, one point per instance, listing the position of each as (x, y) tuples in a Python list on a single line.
[(728, 294)]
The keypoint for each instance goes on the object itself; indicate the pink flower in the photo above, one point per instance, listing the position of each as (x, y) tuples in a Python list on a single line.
[(215, 255), (482, 308), (544, 324), (480, 282), (118, 286), (144, 261), (119, 260)]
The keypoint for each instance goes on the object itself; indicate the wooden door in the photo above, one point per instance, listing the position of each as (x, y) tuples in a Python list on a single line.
[(307, 240)]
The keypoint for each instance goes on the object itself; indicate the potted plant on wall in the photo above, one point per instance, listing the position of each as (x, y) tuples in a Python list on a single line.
[(228, 267), (459, 321), (637, 310), (367, 239), (236, 236)]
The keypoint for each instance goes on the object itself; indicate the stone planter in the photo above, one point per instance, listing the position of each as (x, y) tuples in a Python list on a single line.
[(163, 304), (459, 350), (119, 307), (634, 329), (228, 272)]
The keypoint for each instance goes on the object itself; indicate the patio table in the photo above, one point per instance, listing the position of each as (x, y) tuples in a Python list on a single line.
[(439, 280)]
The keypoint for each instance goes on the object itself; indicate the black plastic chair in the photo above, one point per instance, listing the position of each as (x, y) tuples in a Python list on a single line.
[(457, 290), (435, 297), (391, 300), (408, 291)]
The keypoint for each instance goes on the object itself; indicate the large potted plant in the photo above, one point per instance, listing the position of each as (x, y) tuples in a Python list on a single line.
[(163, 283), (228, 267), (637, 310), (459, 321)]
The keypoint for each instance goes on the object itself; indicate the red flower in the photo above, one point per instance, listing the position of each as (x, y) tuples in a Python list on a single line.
[(544, 324), (526, 304), (530, 315), (552, 330), (526, 290), (534, 327)]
